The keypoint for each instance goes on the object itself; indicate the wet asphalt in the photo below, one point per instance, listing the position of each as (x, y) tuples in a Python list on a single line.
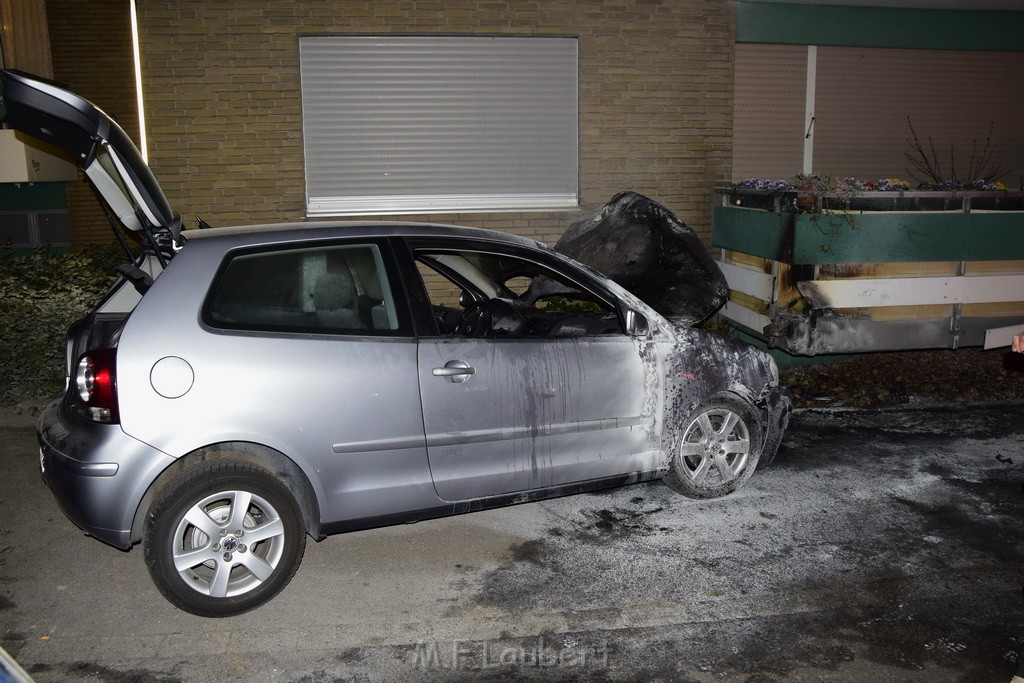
[(880, 545)]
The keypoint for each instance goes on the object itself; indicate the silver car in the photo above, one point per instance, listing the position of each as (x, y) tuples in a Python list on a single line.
[(239, 389)]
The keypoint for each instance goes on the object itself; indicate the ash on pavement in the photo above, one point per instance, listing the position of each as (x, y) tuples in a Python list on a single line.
[(879, 545)]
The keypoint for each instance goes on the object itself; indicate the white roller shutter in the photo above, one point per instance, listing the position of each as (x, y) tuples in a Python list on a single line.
[(415, 124), (768, 116), (866, 94)]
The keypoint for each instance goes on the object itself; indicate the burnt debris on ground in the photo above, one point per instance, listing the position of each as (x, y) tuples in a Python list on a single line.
[(875, 380)]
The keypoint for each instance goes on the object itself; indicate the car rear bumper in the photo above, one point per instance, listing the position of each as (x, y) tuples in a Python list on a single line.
[(97, 473)]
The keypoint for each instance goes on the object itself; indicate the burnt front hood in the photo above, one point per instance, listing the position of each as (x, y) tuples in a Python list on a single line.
[(644, 247), (98, 145)]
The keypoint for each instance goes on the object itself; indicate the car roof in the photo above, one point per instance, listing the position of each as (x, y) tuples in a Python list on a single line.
[(310, 231)]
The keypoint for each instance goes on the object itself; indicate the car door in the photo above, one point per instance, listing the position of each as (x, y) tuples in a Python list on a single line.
[(539, 401)]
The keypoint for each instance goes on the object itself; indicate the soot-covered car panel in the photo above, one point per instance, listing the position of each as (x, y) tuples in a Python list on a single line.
[(239, 389)]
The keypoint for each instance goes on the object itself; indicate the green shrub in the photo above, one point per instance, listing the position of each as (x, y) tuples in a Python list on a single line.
[(41, 294)]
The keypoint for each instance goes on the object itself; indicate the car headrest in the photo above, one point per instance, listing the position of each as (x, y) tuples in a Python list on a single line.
[(332, 291)]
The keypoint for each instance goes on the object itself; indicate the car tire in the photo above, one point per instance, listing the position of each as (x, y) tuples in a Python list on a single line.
[(716, 449), (223, 537)]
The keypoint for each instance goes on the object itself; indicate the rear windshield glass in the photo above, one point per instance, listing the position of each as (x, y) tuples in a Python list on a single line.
[(334, 289)]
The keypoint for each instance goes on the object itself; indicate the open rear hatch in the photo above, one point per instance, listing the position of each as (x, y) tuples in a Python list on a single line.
[(110, 160)]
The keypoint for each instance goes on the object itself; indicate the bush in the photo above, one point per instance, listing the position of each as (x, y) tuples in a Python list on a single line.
[(41, 294)]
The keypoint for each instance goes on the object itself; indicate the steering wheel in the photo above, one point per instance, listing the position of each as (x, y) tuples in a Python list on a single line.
[(506, 319), (475, 320)]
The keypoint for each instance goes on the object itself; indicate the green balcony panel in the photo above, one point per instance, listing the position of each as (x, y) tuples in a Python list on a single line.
[(896, 237)]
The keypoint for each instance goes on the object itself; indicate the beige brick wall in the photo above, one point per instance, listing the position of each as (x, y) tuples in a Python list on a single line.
[(221, 86), (91, 42)]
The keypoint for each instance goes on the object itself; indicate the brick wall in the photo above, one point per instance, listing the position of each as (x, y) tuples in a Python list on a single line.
[(221, 84), (91, 42)]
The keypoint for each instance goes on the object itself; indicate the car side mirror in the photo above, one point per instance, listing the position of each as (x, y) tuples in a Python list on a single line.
[(636, 324)]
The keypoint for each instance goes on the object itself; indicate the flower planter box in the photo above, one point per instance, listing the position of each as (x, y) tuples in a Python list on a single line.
[(859, 279)]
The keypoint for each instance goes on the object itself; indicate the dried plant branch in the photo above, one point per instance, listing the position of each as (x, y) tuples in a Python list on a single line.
[(928, 164), (920, 159), (984, 169)]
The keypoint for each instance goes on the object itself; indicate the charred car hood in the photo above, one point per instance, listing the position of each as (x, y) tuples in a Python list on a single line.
[(644, 247), (110, 160)]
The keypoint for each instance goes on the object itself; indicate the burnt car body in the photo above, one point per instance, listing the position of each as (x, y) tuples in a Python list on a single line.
[(238, 389)]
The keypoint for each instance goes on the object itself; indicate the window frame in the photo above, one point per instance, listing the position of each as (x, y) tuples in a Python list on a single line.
[(420, 247), (391, 279)]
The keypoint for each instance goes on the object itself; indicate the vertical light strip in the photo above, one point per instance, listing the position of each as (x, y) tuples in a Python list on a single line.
[(812, 81), (138, 81)]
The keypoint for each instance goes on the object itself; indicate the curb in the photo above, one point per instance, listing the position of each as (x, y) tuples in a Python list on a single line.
[(23, 418), (911, 407), (17, 423)]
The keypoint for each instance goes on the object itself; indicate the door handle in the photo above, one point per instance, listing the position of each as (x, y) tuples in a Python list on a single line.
[(455, 371)]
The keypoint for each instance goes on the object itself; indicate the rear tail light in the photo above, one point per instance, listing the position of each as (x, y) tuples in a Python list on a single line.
[(94, 386)]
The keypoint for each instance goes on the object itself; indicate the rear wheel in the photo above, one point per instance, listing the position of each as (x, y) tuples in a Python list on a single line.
[(223, 537), (717, 449)]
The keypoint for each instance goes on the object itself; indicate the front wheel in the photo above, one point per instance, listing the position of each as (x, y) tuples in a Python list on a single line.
[(717, 449), (223, 538)]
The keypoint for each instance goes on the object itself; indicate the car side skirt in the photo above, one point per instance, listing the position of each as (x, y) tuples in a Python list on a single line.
[(477, 504)]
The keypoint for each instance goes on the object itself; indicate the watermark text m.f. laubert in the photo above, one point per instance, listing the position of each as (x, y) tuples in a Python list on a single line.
[(467, 654)]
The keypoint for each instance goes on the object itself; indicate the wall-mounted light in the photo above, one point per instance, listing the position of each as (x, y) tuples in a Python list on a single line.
[(138, 81)]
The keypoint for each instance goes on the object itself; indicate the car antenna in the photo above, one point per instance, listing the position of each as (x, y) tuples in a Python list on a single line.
[(203, 225)]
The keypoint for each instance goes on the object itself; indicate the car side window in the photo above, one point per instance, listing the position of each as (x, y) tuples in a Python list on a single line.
[(478, 294), (330, 289)]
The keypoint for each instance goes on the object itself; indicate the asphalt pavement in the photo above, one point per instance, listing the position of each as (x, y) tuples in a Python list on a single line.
[(881, 545)]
